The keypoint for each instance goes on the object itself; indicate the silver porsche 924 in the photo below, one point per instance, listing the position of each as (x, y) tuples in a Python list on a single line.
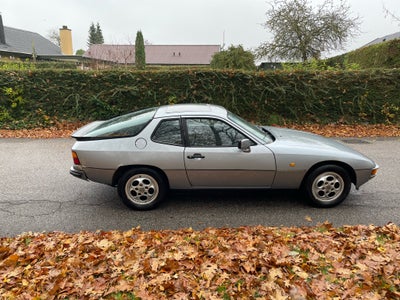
[(201, 146)]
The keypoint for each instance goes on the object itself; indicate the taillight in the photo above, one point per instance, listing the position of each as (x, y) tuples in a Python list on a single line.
[(75, 158)]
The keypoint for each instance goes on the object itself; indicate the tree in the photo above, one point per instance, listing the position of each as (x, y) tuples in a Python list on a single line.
[(99, 34), (388, 13), (140, 55), (92, 35), (233, 58), (95, 34), (54, 36), (302, 32), (80, 52)]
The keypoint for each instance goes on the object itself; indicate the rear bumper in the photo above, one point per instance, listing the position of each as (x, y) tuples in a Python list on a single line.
[(77, 173)]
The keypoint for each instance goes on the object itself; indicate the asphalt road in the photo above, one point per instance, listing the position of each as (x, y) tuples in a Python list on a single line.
[(38, 194)]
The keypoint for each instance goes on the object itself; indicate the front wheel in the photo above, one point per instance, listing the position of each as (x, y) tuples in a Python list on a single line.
[(141, 188), (327, 186)]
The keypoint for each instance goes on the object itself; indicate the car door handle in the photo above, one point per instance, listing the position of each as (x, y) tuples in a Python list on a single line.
[(196, 156)]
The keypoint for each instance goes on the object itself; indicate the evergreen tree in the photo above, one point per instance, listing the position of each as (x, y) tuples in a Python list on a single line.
[(92, 35), (95, 34), (99, 34), (140, 55)]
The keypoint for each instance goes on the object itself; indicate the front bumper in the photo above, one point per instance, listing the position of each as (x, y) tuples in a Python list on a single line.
[(365, 175), (77, 173)]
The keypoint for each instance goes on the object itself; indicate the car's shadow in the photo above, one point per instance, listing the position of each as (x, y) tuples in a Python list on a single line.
[(203, 199), (237, 198), (200, 209), (229, 208)]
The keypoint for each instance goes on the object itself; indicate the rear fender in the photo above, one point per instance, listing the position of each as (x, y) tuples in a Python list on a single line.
[(123, 169)]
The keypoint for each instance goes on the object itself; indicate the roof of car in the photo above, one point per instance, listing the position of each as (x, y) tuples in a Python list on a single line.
[(190, 109)]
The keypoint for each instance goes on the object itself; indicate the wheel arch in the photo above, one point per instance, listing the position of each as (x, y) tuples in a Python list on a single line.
[(123, 169), (345, 166)]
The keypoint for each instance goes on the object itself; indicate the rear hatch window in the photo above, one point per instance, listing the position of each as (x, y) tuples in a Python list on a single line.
[(123, 126)]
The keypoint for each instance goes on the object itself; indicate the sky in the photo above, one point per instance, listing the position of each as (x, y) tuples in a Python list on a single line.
[(174, 22)]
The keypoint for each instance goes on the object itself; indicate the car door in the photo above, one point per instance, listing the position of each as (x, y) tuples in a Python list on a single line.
[(213, 159), (167, 152)]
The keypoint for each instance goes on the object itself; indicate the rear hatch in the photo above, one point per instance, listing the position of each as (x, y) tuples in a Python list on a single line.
[(81, 132)]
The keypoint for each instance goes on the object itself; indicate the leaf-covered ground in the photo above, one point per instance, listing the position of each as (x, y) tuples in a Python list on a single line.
[(320, 262), (332, 130)]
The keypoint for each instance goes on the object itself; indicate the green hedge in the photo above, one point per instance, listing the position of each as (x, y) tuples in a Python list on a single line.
[(12, 65), (382, 55), (38, 98)]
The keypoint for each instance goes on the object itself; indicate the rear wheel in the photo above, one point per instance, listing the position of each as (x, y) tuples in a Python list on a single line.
[(141, 188), (327, 186)]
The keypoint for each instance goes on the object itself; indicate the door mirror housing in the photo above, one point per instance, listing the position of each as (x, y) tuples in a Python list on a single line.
[(244, 145)]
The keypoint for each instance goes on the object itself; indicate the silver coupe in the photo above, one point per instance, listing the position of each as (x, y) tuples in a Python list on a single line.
[(201, 146)]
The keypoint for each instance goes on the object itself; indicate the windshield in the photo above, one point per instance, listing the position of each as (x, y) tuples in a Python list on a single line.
[(123, 126), (253, 129)]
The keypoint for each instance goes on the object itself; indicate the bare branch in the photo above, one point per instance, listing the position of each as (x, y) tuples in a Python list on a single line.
[(54, 36), (390, 14)]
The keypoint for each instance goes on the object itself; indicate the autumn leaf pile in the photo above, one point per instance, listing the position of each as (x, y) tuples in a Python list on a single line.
[(319, 262), (356, 130)]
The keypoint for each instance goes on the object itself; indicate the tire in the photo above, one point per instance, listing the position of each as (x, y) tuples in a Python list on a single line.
[(327, 186), (142, 188)]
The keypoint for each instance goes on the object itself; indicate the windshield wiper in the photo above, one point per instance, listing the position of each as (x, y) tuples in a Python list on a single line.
[(268, 133)]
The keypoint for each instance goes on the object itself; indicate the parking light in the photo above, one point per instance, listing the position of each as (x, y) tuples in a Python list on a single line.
[(374, 171)]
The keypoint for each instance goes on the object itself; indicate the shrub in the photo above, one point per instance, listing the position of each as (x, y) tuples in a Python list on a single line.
[(263, 97), (382, 55)]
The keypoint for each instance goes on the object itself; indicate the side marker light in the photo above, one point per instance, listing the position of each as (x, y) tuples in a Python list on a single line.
[(374, 171)]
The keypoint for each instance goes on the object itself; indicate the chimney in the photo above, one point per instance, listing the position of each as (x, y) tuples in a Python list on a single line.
[(2, 34), (66, 41)]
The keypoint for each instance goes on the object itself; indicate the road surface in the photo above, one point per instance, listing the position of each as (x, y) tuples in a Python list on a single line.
[(38, 194)]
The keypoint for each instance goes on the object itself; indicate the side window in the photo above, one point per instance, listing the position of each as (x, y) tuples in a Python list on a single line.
[(168, 132), (212, 133)]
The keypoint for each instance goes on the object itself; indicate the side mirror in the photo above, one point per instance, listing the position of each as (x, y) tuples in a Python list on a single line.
[(244, 145)]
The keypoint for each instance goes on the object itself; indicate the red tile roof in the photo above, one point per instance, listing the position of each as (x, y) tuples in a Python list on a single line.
[(155, 54)]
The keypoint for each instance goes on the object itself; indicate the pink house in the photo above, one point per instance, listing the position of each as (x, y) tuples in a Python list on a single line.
[(155, 54)]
